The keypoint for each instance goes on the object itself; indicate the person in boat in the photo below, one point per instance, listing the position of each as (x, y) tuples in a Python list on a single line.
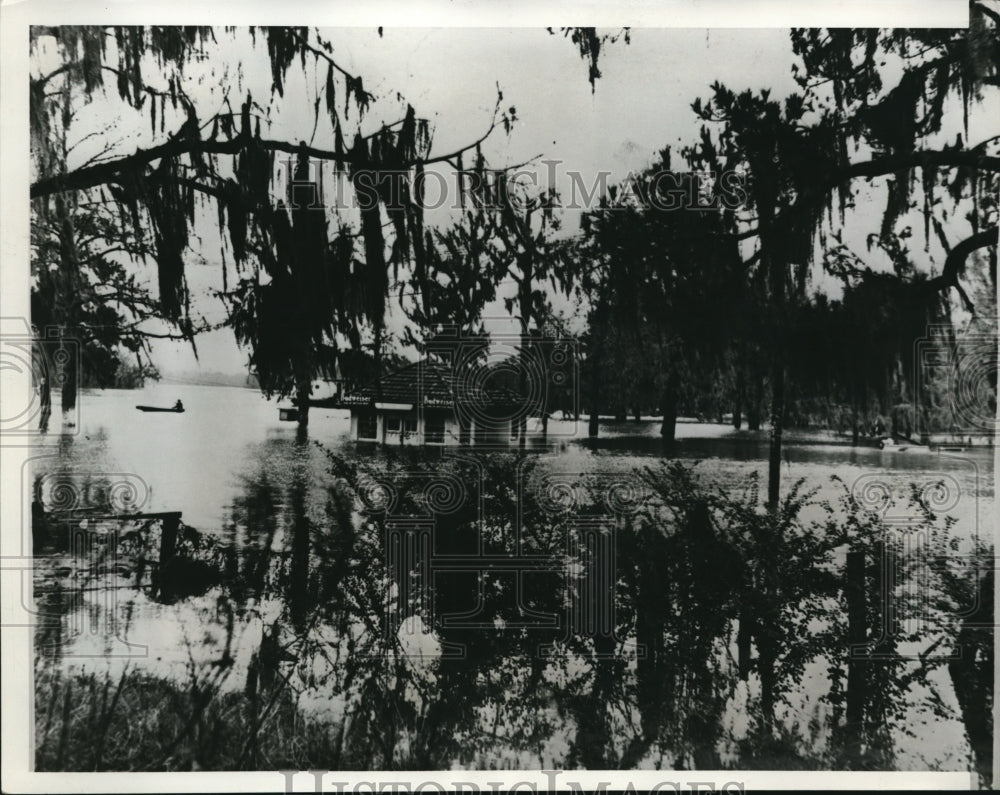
[(178, 406)]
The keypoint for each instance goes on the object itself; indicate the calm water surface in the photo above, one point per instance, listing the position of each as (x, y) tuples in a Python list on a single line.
[(243, 478), (197, 462)]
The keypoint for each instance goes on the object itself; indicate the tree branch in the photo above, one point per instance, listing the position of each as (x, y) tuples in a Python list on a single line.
[(878, 167), (926, 159), (987, 12), (103, 173), (954, 264)]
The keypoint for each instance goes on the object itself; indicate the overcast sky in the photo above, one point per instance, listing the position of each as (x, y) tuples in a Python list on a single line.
[(640, 105)]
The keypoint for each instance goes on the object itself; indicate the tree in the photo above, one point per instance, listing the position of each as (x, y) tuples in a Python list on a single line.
[(81, 287), (224, 159), (663, 282), (82, 290), (857, 352), (796, 156), (449, 287), (518, 246), (305, 292)]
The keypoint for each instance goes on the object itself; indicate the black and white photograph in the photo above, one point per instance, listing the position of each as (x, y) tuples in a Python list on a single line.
[(498, 399)]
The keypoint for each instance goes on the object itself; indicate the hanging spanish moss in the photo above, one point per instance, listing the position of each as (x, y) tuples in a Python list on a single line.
[(226, 160)]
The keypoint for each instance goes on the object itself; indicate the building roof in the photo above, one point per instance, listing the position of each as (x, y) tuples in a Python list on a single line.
[(434, 385)]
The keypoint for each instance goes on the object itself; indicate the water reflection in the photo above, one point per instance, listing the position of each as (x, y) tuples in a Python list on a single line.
[(413, 610), (432, 635)]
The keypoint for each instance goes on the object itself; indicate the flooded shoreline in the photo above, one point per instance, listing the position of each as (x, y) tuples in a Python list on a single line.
[(296, 608)]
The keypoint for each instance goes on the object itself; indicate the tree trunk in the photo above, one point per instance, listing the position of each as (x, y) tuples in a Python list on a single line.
[(303, 389), (668, 403), (526, 264), (620, 414), (777, 423), (522, 421), (596, 333), (70, 381), (668, 427), (45, 407), (593, 427), (777, 271), (756, 398), (775, 268), (740, 397), (638, 416), (377, 354), (855, 429), (66, 311)]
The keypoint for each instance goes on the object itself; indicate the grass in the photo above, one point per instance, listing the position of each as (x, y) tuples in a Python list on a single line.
[(142, 722)]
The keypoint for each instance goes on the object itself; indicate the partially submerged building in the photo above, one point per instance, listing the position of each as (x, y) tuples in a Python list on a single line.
[(427, 403)]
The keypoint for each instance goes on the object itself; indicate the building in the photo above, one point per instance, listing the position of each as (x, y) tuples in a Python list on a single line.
[(426, 404)]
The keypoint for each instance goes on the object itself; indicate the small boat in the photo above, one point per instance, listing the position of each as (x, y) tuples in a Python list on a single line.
[(171, 409), (898, 444)]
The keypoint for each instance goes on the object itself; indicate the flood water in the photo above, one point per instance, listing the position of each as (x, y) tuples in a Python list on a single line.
[(300, 579)]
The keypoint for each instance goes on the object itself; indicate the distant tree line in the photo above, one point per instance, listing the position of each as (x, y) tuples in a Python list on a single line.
[(707, 308)]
